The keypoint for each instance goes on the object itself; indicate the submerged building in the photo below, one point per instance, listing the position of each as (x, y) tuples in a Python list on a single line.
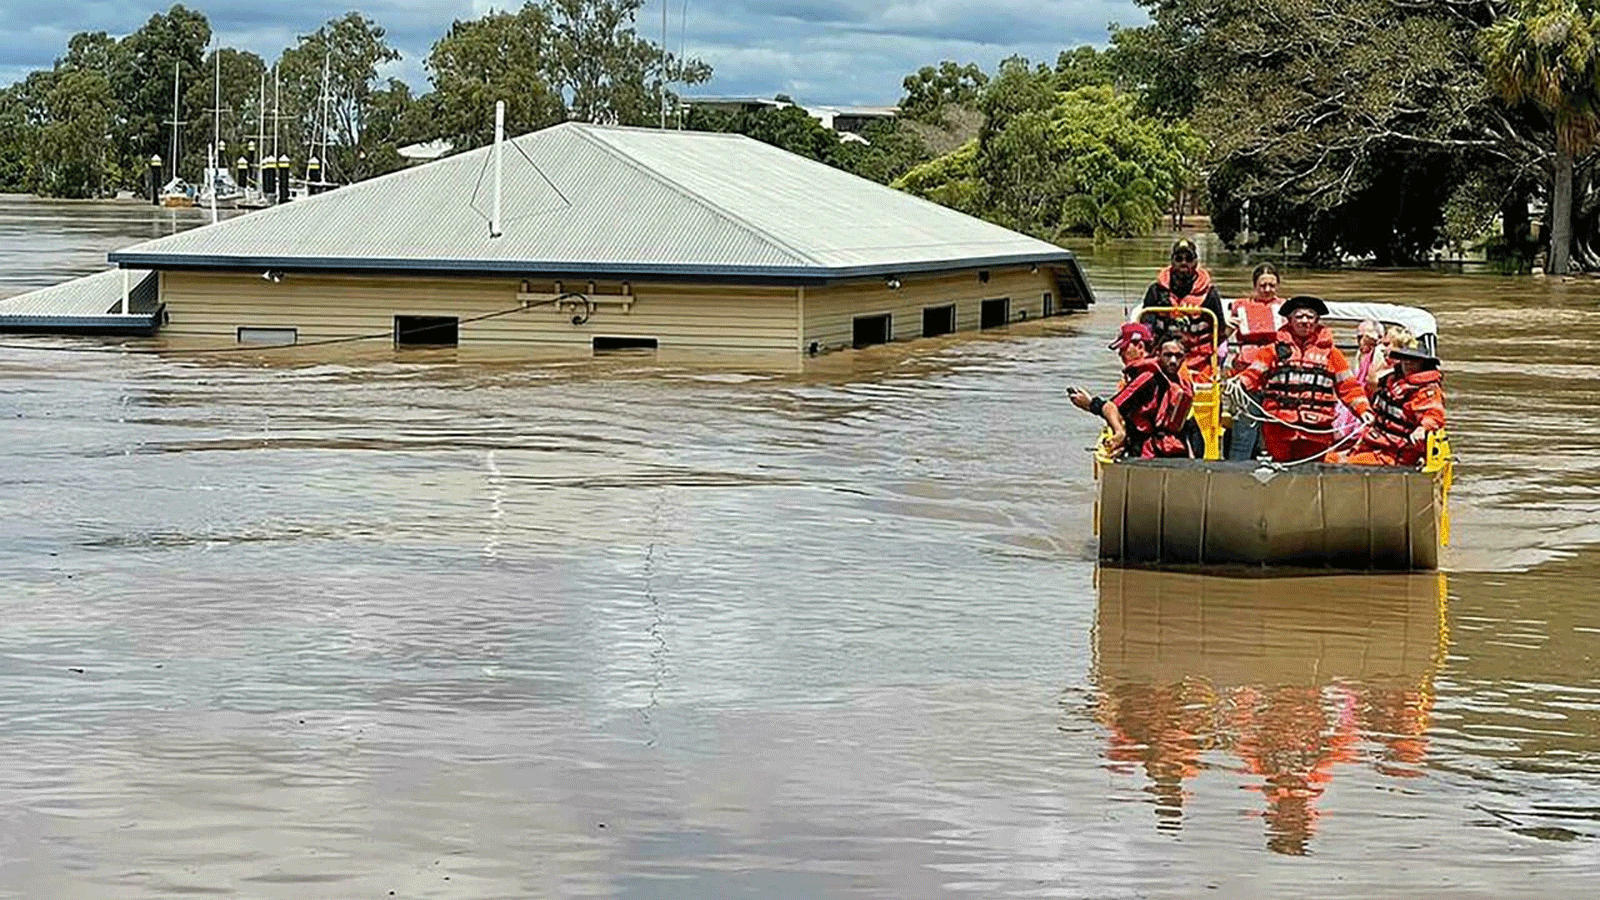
[(601, 237)]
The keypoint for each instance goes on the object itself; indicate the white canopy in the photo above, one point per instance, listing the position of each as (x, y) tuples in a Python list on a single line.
[(1418, 321)]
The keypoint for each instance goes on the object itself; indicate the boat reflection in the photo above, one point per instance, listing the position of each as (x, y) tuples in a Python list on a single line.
[(1282, 681)]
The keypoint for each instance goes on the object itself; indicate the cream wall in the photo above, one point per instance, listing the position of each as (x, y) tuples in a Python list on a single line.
[(688, 317), (830, 311)]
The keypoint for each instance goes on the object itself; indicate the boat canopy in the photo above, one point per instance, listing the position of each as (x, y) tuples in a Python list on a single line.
[(1418, 321)]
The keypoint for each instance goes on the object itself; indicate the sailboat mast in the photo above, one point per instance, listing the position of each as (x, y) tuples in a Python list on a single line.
[(174, 119), (261, 125)]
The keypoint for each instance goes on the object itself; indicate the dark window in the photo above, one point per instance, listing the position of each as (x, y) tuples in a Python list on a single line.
[(994, 313), (870, 330), (426, 331), (614, 344), (983, 276), (937, 320), (1049, 304)]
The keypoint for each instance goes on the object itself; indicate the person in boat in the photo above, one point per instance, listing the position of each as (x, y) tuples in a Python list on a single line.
[(1396, 337), (1302, 377), (1185, 283), (1133, 344), (1368, 354), (1149, 415), (1255, 323), (1408, 404)]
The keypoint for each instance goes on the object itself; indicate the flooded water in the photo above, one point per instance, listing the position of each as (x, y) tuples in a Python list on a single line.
[(407, 625)]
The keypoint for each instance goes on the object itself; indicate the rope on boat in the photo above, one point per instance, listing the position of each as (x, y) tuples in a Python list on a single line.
[(1238, 394)]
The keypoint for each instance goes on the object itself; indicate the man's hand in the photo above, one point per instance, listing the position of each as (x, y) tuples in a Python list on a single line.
[(1419, 435), (1079, 398), (1115, 443)]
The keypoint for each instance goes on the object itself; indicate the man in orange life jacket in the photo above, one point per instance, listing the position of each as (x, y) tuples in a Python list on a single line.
[(1408, 404), (1147, 415), (1185, 283), (1302, 377)]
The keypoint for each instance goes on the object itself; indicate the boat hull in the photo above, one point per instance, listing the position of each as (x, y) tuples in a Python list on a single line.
[(1183, 513)]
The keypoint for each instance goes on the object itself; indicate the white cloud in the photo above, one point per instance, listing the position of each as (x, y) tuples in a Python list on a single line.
[(820, 51)]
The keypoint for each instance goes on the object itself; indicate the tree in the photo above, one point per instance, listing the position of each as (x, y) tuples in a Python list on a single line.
[(502, 56), (1050, 161), (141, 77), (1345, 124), (1546, 53), (931, 90), (338, 110), (74, 155), (608, 73)]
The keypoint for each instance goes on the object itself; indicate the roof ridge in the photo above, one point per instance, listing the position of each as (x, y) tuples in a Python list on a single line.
[(748, 226)]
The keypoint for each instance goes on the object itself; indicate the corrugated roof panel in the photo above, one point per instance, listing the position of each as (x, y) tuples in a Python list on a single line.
[(92, 295), (598, 198)]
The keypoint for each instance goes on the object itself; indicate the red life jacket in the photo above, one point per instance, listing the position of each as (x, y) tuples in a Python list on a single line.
[(1300, 386), (1198, 329), (1154, 427), (1397, 407)]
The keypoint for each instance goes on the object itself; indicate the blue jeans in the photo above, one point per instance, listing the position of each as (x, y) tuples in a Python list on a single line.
[(1246, 434)]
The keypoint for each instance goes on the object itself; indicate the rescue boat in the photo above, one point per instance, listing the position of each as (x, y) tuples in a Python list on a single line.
[(1216, 513)]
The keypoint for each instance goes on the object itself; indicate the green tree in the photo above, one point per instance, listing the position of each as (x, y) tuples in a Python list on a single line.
[(949, 180), (608, 73), (1346, 125), (932, 90), (74, 155), (1050, 161), (501, 56), (338, 110), (141, 76), (1546, 53)]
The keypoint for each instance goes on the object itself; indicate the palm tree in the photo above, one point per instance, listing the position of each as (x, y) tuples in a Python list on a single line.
[(1546, 52)]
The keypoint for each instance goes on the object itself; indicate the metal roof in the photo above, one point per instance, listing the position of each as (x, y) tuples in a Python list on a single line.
[(88, 305), (599, 200)]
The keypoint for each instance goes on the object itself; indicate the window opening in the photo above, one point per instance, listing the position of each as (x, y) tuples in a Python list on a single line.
[(994, 313), (870, 330), (937, 320), (426, 331)]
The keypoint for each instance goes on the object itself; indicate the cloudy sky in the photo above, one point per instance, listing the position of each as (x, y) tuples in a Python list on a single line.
[(819, 51)]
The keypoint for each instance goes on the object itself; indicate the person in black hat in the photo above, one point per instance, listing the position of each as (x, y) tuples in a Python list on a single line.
[(1408, 404), (1184, 283), (1302, 378)]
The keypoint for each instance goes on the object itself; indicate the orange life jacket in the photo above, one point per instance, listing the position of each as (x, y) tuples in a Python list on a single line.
[(1197, 329), (1301, 384), (1399, 406)]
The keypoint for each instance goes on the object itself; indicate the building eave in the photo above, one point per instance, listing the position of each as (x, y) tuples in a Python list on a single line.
[(571, 269)]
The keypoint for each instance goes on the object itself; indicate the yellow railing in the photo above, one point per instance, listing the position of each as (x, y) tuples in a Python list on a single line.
[(1441, 463)]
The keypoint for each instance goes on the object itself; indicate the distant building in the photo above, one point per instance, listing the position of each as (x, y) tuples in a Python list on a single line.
[(852, 119), (734, 105), (426, 152), (610, 238)]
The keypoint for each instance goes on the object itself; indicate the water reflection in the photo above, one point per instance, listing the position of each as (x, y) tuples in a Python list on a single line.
[(1281, 682)]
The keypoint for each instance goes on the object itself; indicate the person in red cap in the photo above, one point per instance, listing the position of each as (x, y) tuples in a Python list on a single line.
[(1149, 412), (1302, 378), (1185, 284), (1408, 404)]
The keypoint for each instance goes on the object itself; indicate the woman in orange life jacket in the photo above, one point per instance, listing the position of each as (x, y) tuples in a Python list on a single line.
[(1255, 323), (1185, 283), (1302, 377), (1147, 416), (1408, 404)]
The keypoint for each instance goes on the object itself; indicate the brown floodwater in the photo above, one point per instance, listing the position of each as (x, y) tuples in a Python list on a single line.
[(364, 622)]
